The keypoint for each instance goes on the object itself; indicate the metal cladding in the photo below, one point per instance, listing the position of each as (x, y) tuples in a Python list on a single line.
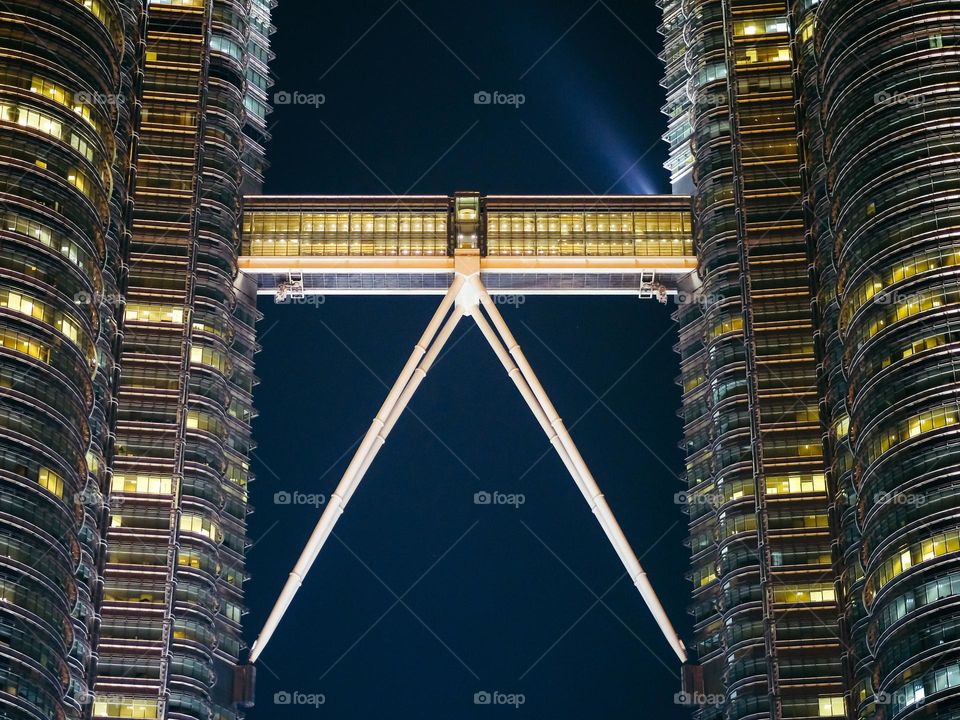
[(812, 247), (63, 120), (126, 133), (836, 124), (174, 575), (764, 595), (889, 78)]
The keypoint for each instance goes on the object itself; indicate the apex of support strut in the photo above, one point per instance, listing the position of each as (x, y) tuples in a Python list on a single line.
[(466, 262)]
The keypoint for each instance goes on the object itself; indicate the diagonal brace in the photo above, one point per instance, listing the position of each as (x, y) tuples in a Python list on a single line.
[(423, 356), (468, 296)]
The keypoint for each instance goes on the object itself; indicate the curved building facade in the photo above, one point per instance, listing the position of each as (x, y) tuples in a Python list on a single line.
[(867, 201), (174, 573), (891, 150), (764, 581), (60, 79)]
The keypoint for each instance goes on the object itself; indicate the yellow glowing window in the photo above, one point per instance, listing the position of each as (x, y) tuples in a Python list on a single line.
[(23, 305), (49, 480), (200, 525), (22, 343), (137, 708), (832, 706), (796, 484), (188, 558), (142, 484), (70, 329), (154, 313), (813, 593), (842, 428)]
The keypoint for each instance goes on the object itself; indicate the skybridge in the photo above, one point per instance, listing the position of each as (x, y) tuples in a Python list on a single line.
[(468, 248), (405, 245)]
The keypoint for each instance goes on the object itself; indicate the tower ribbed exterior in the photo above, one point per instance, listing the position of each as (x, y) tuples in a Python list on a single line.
[(764, 596), (889, 80), (63, 122), (174, 577)]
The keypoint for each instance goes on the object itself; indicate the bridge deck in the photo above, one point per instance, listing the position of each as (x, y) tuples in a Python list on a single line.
[(529, 244)]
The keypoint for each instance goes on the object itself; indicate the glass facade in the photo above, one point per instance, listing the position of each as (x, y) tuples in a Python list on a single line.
[(174, 572), (65, 81), (510, 226), (765, 602), (890, 150), (825, 170), (817, 143)]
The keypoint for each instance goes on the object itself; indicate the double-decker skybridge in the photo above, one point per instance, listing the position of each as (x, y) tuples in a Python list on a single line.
[(382, 245), (468, 248)]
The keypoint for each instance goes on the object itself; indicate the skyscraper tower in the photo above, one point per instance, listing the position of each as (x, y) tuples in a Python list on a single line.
[(835, 121), (64, 70), (127, 132), (891, 152), (173, 597), (764, 599)]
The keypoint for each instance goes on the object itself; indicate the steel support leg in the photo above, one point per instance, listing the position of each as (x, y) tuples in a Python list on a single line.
[(416, 368), (471, 298), (540, 404)]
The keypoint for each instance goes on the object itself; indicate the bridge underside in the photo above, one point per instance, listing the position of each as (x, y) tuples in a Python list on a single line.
[(381, 245)]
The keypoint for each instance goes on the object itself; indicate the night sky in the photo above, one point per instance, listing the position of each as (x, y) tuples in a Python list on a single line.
[(527, 601)]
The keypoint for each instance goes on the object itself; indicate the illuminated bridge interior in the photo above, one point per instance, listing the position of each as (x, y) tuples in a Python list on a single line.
[(619, 245)]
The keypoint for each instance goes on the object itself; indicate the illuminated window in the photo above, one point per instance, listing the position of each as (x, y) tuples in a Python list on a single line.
[(138, 708), (142, 484), (813, 593), (832, 706), (49, 480), (154, 313), (200, 525), (796, 484)]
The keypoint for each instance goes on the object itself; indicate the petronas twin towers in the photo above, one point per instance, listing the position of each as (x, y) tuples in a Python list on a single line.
[(816, 146)]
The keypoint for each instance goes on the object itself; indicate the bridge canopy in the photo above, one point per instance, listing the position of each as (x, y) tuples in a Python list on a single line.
[(324, 245)]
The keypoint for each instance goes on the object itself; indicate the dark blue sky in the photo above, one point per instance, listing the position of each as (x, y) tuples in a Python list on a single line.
[(503, 600)]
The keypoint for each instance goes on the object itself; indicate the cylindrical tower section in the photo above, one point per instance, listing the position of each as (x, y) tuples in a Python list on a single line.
[(890, 74), (59, 82)]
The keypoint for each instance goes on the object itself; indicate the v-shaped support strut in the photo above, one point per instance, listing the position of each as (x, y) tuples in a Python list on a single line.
[(468, 296)]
